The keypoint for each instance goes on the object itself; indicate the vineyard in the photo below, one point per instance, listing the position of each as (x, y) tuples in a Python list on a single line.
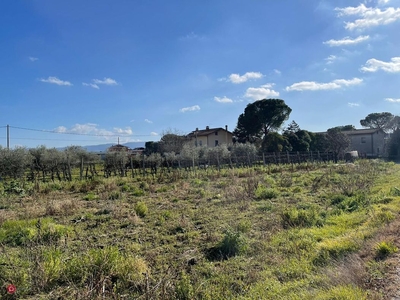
[(74, 162)]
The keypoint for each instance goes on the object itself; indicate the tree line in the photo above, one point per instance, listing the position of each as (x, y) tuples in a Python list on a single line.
[(259, 130), (261, 125)]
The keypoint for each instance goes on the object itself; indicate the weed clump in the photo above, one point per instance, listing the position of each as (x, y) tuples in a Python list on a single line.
[(384, 249), (233, 243), (141, 209), (264, 193), (293, 217), (24, 232)]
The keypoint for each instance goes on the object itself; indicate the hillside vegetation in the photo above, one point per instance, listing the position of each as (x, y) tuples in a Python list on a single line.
[(266, 232)]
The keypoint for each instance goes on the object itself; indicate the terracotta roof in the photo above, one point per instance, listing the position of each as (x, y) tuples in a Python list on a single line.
[(118, 147), (205, 132)]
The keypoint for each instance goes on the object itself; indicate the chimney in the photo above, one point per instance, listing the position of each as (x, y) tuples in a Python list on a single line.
[(197, 128), (226, 127), (207, 127)]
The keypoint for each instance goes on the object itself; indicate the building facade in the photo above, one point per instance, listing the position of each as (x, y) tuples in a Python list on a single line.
[(210, 137), (368, 142)]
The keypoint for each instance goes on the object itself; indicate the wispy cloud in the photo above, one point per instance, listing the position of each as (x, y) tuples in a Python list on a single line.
[(55, 80), (330, 59), (262, 92), (223, 99), (153, 133), (316, 86), (190, 108), (373, 65), (191, 36), (369, 16), (277, 72), (105, 81), (393, 100), (352, 104), (347, 41), (96, 82), (236, 78), (93, 85), (127, 130), (148, 121), (31, 58)]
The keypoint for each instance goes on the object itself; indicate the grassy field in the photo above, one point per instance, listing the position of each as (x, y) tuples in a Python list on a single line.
[(306, 231)]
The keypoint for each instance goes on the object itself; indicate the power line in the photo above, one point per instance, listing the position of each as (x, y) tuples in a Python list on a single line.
[(75, 133), (62, 140)]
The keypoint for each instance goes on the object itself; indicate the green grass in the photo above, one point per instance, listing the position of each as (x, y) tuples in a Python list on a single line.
[(251, 233)]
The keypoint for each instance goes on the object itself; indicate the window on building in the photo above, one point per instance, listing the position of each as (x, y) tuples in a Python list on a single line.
[(216, 143), (363, 140), (201, 143), (216, 133)]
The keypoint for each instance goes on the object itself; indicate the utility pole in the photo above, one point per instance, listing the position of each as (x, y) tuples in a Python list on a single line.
[(8, 136)]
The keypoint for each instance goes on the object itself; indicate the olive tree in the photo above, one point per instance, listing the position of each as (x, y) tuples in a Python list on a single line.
[(13, 162)]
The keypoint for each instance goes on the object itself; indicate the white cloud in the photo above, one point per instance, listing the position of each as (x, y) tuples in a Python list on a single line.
[(93, 85), (88, 128), (153, 133), (55, 80), (262, 92), (31, 58), (236, 78), (351, 104), (191, 108), (95, 82), (383, 2), (127, 130), (223, 99), (93, 129), (393, 100), (148, 121), (105, 81), (277, 72), (316, 86), (373, 65), (369, 16), (347, 41), (61, 129), (330, 59)]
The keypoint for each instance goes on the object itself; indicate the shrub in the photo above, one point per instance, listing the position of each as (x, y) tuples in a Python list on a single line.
[(233, 243), (294, 217), (384, 249), (266, 193), (184, 289), (14, 187), (141, 209)]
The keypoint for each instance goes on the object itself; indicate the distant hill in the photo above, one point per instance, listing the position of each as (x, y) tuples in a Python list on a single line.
[(104, 147)]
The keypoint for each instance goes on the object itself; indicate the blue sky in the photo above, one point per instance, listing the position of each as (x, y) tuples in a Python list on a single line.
[(94, 70)]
